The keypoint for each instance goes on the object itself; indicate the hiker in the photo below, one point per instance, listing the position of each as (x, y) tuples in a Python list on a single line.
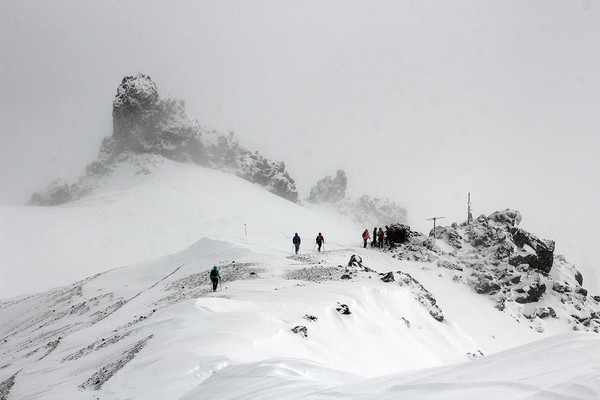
[(390, 238), (374, 237), (380, 234), (214, 277), (387, 235), (365, 237), (296, 240), (320, 241)]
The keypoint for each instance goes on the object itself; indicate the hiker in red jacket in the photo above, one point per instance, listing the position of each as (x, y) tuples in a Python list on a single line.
[(365, 237)]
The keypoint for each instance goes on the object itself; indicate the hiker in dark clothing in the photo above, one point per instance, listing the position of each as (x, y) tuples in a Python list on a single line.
[(374, 237), (214, 277), (365, 237), (320, 241), (387, 235), (296, 240), (380, 235)]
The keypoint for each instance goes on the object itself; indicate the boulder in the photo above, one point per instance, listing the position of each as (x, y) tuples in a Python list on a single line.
[(531, 292), (448, 234), (399, 233), (343, 309), (389, 277), (544, 312), (507, 217), (579, 277), (486, 285), (560, 288), (301, 330), (537, 253)]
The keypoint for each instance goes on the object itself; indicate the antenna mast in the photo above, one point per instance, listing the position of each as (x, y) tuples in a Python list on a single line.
[(434, 219), (469, 214)]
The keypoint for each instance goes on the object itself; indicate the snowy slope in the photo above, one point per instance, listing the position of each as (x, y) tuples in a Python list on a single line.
[(148, 208), (154, 329)]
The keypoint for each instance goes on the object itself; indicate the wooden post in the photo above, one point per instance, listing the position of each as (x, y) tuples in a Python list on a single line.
[(434, 219)]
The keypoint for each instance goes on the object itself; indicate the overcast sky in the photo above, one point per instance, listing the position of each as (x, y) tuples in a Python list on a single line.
[(418, 101)]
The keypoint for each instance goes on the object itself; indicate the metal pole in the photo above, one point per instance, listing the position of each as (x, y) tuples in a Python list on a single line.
[(469, 214)]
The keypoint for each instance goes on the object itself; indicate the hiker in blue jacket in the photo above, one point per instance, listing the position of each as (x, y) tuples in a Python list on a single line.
[(296, 240), (214, 277)]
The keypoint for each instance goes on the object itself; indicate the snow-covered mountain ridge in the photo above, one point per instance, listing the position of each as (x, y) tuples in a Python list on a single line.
[(155, 330), (147, 207), (314, 325)]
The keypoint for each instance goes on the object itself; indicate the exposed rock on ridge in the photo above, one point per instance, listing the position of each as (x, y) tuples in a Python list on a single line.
[(146, 123), (513, 267)]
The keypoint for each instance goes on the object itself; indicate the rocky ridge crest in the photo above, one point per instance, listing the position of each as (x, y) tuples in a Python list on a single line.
[(513, 267)]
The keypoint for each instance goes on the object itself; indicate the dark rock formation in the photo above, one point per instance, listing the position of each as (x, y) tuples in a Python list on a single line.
[(530, 293), (542, 256), (301, 330), (399, 233), (343, 309), (389, 277)]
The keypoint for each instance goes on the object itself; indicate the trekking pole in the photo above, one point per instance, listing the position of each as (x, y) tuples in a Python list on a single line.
[(220, 285)]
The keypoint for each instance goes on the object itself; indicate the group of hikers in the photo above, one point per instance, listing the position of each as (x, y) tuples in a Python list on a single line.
[(319, 242), (380, 237)]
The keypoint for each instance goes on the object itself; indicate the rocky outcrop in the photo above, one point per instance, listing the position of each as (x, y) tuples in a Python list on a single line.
[(389, 277), (513, 267), (144, 122), (422, 295), (343, 309), (399, 233), (329, 189), (301, 330), (538, 254)]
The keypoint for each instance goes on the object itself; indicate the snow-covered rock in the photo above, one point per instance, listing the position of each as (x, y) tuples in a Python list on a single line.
[(329, 189), (144, 122), (511, 266)]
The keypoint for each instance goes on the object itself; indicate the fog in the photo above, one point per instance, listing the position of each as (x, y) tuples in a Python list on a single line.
[(418, 101)]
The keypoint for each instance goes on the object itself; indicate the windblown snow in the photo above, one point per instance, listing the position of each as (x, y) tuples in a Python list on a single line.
[(141, 320)]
